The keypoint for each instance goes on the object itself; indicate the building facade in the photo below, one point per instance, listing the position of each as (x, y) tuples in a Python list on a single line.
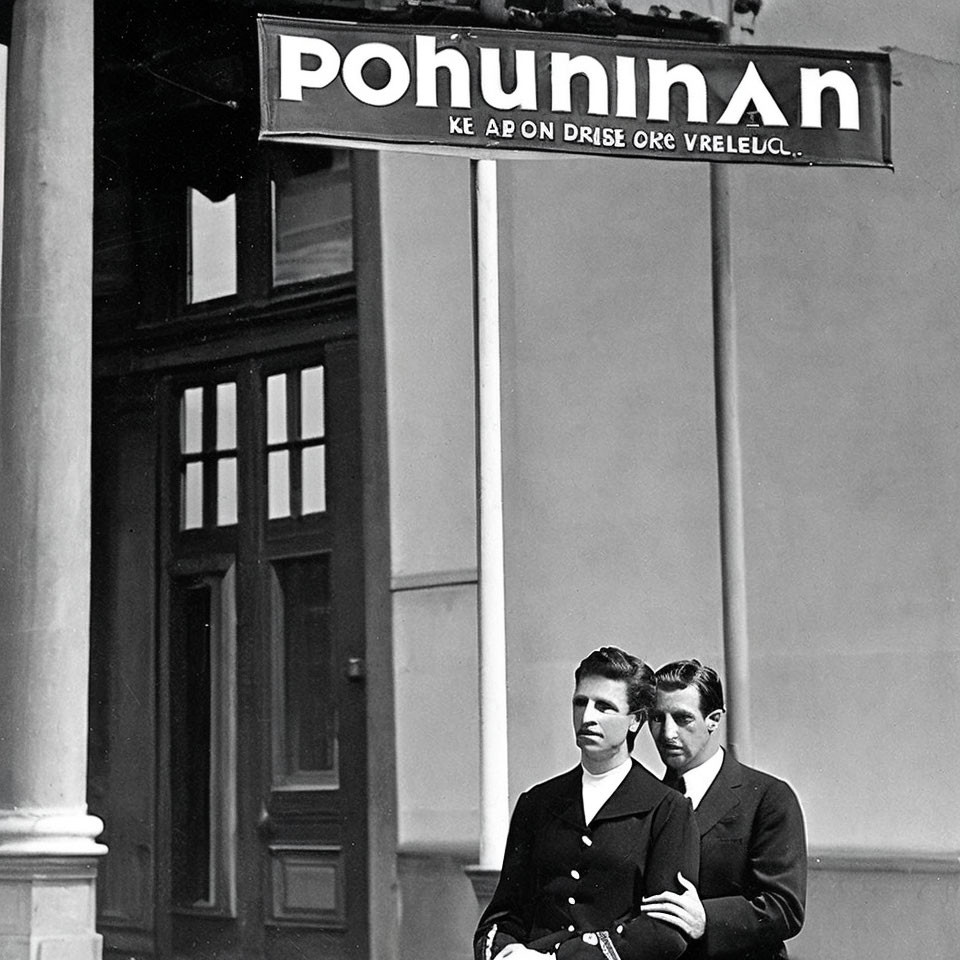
[(239, 493)]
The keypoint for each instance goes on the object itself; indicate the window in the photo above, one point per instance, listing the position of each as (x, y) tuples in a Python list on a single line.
[(296, 445), (208, 456), (212, 267), (312, 215)]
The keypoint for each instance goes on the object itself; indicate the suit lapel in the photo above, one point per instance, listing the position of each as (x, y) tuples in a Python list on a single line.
[(721, 797), (567, 802)]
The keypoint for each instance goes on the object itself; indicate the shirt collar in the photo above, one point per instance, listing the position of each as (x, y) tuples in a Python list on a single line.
[(616, 775), (698, 780)]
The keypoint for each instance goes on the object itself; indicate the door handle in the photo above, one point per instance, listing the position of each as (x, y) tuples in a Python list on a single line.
[(265, 825), (356, 669)]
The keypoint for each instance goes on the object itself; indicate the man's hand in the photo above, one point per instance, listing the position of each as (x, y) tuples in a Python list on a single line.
[(517, 951), (683, 910)]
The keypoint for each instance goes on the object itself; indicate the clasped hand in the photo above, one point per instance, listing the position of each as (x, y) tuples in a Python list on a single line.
[(683, 910)]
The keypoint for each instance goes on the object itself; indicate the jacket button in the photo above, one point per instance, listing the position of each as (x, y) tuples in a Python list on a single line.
[(571, 928), (575, 874), (571, 901), (587, 842)]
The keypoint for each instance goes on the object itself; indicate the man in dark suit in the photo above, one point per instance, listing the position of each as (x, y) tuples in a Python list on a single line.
[(753, 855), (586, 846)]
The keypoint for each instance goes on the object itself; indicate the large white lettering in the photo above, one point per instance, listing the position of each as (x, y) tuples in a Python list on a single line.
[(524, 94), (563, 68), (294, 78), (812, 85), (752, 89), (429, 62), (626, 87), (380, 74), (398, 80), (662, 79)]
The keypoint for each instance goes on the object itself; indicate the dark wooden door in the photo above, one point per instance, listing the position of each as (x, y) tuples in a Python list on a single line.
[(263, 713)]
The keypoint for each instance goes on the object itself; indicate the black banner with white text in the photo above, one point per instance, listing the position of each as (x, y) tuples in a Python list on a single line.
[(487, 92)]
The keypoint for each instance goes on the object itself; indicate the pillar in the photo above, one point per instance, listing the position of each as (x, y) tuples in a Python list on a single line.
[(494, 789), (47, 840)]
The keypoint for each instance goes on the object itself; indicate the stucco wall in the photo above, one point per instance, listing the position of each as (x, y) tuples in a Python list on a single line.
[(847, 283)]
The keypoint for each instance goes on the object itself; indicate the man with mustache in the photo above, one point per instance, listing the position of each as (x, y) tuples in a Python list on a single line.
[(586, 846), (753, 854)]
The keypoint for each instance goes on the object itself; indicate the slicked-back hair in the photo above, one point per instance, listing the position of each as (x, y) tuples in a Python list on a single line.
[(692, 673), (616, 664)]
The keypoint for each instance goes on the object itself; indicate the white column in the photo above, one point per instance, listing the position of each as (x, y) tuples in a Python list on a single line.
[(494, 788), (736, 646), (47, 839)]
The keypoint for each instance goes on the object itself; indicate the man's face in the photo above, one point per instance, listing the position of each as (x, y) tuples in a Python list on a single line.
[(680, 731), (601, 721)]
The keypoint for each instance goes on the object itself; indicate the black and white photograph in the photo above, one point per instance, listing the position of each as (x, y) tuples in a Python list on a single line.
[(479, 480)]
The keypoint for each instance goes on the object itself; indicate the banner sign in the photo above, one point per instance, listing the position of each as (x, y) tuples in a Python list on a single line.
[(490, 92)]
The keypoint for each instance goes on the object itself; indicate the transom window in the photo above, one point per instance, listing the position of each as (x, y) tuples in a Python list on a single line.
[(310, 229), (312, 217), (212, 266)]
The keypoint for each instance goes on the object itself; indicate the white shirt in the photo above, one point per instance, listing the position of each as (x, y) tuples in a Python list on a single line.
[(697, 781), (599, 787)]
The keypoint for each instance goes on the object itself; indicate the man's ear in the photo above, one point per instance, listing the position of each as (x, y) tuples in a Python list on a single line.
[(637, 721), (713, 720)]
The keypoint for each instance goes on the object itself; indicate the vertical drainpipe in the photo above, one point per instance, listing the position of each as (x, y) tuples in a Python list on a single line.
[(736, 647)]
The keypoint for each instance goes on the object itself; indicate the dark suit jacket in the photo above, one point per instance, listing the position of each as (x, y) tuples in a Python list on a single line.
[(753, 865), (562, 879)]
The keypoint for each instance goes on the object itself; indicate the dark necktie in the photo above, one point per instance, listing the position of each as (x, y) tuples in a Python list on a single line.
[(675, 782)]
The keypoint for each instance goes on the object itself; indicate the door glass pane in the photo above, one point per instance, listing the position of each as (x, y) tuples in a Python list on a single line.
[(307, 749), (202, 753), (278, 484), (226, 416), (314, 479), (213, 247), (227, 491), (190, 739), (312, 216), (192, 496), (277, 408), (311, 402), (191, 420)]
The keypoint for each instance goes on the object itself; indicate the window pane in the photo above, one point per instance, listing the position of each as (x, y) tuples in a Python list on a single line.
[(278, 484), (192, 499), (309, 720), (311, 402), (191, 420), (213, 247), (277, 408), (314, 479), (313, 222), (227, 491), (226, 416)]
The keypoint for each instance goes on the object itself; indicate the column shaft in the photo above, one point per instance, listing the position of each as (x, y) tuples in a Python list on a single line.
[(45, 371)]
